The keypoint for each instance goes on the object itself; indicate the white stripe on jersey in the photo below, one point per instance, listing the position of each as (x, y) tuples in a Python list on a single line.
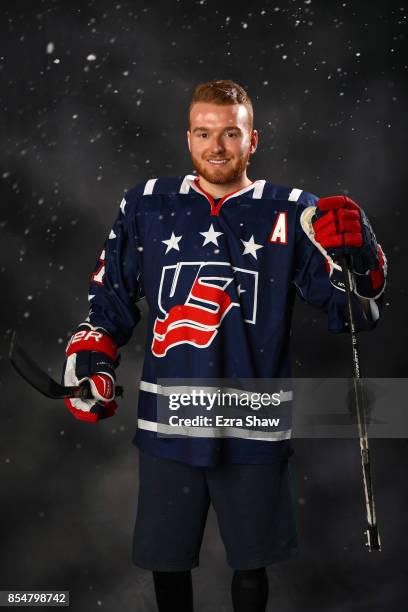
[(294, 195), (148, 190), (185, 185), (258, 190)]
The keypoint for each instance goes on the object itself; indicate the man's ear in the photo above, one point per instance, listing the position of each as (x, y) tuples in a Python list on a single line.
[(254, 141), (188, 140)]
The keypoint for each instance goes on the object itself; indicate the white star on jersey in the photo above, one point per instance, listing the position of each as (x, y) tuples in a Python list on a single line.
[(172, 243), (112, 235), (211, 236), (251, 247)]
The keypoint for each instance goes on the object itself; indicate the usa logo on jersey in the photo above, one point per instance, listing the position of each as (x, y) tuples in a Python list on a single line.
[(195, 297)]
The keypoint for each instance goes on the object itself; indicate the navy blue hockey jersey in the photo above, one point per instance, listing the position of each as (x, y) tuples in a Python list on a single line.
[(220, 279)]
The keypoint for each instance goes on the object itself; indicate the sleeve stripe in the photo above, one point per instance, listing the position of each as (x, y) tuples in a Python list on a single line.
[(148, 190), (185, 185), (258, 189), (294, 195)]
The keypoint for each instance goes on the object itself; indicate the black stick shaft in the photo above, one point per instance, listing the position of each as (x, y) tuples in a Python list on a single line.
[(42, 381), (373, 537)]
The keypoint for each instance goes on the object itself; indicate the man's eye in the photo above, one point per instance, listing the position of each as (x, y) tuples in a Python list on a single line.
[(202, 135), (232, 134)]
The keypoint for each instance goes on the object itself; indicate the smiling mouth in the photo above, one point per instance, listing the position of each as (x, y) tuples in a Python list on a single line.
[(217, 162)]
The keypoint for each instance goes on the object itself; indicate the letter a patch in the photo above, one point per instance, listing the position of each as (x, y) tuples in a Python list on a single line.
[(280, 230)]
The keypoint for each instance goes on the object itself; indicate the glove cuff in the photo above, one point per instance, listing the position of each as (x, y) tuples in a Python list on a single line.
[(92, 340)]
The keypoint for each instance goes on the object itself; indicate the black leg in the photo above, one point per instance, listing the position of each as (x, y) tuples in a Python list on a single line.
[(249, 590), (174, 591)]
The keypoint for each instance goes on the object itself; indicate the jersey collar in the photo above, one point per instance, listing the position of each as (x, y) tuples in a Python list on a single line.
[(192, 182)]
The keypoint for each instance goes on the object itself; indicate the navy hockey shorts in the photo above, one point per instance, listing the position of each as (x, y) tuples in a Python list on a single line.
[(253, 504)]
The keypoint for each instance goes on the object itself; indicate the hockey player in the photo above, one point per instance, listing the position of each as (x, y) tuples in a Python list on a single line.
[(219, 258)]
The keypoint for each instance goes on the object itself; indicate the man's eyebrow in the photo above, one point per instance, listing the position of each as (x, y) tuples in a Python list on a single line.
[(206, 129)]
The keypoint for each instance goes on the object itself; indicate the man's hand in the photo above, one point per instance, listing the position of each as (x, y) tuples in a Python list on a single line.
[(90, 360), (342, 228)]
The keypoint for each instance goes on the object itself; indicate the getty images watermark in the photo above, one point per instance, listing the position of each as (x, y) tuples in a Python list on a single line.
[(244, 408), (276, 409), (209, 400)]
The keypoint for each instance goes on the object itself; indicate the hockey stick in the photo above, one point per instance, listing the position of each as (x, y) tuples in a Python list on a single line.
[(41, 381), (372, 534)]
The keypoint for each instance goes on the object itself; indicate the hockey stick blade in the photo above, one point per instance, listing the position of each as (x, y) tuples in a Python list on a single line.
[(41, 381)]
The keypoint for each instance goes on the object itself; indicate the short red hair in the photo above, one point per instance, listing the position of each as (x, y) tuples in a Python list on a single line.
[(222, 92)]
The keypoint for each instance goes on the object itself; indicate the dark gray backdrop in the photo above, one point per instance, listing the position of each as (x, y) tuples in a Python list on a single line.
[(93, 100)]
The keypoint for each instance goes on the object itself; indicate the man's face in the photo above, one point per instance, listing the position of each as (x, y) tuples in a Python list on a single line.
[(220, 140)]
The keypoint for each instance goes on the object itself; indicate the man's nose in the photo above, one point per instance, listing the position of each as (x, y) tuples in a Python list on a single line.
[(217, 143)]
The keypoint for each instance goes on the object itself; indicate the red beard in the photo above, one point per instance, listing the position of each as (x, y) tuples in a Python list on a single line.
[(232, 170)]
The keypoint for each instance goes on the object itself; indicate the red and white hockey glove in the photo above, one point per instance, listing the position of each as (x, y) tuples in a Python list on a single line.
[(91, 356), (341, 227)]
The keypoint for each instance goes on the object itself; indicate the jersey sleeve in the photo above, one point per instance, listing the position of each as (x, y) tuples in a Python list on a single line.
[(312, 281), (116, 284)]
